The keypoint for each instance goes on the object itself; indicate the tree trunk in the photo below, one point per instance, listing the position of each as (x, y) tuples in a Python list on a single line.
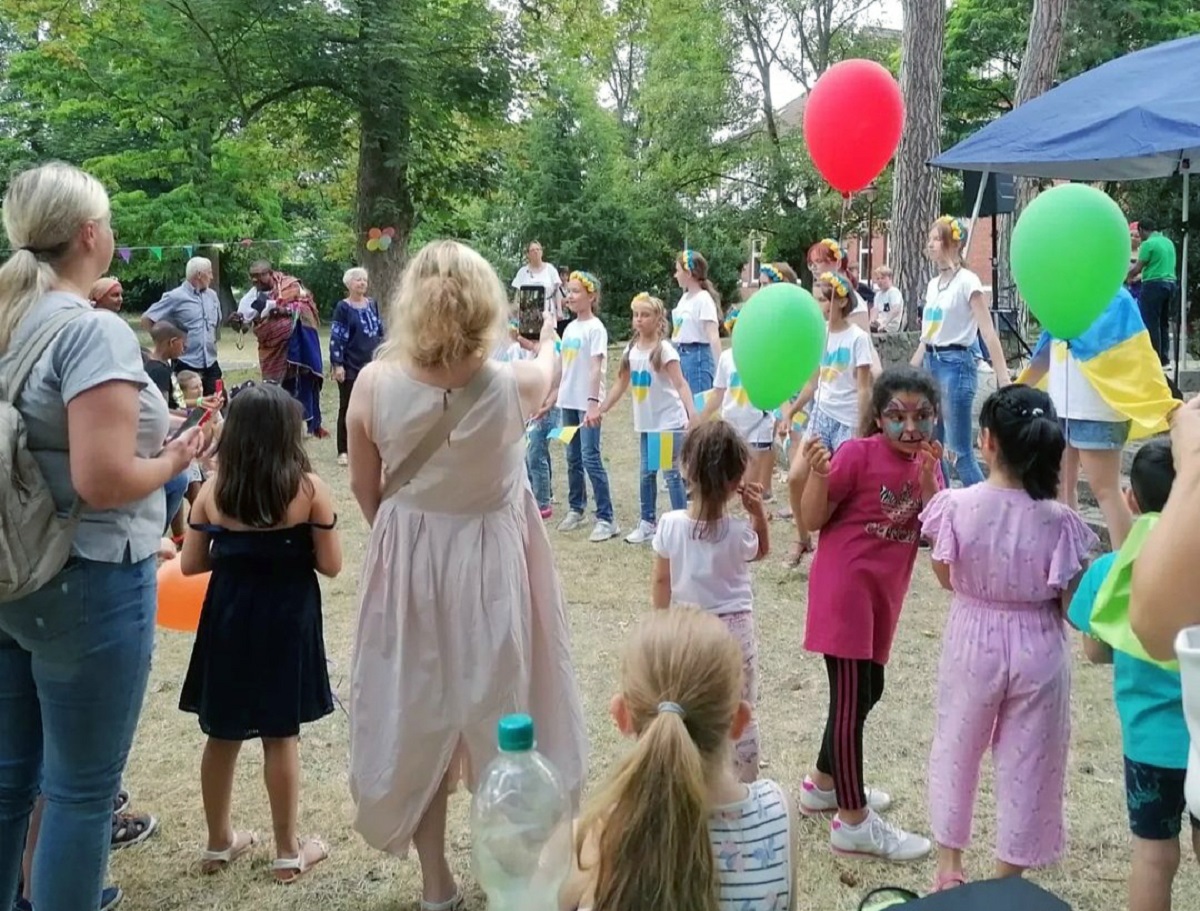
[(916, 188), (1039, 66), (384, 201)]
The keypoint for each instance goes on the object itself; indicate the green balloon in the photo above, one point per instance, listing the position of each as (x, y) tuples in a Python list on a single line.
[(1070, 254), (777, 343)]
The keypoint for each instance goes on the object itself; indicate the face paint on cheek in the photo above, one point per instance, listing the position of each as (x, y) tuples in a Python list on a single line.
[(925, 427), (893, 429)]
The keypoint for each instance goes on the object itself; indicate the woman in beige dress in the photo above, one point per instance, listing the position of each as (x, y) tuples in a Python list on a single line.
[(461, 616)]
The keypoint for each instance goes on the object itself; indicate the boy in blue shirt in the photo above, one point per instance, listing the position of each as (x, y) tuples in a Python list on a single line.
[(1149, 701)]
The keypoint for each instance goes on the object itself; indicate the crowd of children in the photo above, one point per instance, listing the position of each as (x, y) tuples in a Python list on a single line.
[(684, 818)]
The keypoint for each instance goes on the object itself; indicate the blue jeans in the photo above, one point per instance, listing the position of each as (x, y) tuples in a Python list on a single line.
[(696, 363), (537, 458), (74, 657), (175, 489), (583, 455), (649, 490), (957, 377)]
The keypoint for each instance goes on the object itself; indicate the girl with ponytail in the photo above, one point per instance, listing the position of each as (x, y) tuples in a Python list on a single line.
[(1012, 554), (673, 827), (696, 321)]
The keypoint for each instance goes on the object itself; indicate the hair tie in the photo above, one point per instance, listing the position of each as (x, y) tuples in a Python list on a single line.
[(671, 708), (1033, 412)]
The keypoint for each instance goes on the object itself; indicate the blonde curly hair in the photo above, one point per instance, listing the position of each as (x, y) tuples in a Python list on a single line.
[(450, 306)]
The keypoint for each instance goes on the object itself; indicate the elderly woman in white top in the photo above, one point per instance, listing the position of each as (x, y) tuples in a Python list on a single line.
[(539, 276), (74, 654)]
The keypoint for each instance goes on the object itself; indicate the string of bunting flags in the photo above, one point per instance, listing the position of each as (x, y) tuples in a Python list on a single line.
[(378, 240)]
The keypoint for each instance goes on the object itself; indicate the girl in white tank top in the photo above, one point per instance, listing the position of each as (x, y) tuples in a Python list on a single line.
[(640, 842)]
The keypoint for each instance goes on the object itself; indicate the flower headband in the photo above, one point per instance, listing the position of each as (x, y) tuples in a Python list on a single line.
[(766, 269), (841, 287), (834, 247), (689, 260), (589, 281), (731, 319), (958, 228)]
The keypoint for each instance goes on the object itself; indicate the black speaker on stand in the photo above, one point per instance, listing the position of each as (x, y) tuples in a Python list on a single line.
[(999, 198)]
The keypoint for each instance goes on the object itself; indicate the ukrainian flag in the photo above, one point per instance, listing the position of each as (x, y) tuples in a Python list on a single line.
[(1116, 356)]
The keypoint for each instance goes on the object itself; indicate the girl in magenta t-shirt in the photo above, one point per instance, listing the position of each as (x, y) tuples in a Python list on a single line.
[(865, 501)]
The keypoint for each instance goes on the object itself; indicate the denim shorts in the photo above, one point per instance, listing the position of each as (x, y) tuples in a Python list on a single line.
[(1098, 435), (1156, 802), (830, 431)]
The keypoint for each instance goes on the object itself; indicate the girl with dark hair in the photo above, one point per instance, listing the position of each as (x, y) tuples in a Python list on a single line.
[(263, 525), (1012, 554), (704, 555), (864, 499), (696, 321)]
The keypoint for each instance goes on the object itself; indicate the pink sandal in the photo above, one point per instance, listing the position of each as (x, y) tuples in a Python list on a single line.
[(945, 881)]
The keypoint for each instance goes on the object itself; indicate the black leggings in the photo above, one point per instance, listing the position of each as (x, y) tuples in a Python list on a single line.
[(855, 685), (345, 387)]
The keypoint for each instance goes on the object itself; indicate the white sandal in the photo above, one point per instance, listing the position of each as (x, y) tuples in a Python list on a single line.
[(297, 866), (216, 861), (455, 904)]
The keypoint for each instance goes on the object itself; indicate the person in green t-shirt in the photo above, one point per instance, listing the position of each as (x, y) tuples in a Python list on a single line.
[(1155, 267)]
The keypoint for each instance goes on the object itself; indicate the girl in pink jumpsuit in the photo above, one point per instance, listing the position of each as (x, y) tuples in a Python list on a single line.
[(1010, 552)]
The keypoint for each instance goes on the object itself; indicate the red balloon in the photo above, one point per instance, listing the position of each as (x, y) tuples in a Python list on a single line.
[(853, 119)]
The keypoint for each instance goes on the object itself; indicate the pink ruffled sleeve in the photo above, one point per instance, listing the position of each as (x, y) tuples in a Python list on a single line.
[(937, 524), (1075, 542)]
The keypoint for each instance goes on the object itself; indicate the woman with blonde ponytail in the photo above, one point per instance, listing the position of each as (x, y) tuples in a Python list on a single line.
[(673, 827), (74, 653)]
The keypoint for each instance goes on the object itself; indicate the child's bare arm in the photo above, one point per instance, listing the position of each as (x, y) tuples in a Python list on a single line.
[(942, 572), (327, 543), (194, 559), (1096, 651), (660, 583)]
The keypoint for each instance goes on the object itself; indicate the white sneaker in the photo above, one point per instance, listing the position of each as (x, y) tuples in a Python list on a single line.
[(814, 800), (878, 838), (343, 460), (604, 531), (643, 534), (572, 521)]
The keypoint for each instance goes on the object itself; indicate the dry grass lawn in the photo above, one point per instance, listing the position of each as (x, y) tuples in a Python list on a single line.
[(606, 587)]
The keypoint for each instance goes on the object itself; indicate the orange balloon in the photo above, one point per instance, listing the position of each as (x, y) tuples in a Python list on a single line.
[(180, 597), (375, 234)]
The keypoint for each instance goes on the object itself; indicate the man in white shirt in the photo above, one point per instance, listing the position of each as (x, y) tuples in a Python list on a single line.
[(889, 303)]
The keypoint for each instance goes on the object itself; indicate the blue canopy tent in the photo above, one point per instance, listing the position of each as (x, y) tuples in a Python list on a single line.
[(1132, 118)]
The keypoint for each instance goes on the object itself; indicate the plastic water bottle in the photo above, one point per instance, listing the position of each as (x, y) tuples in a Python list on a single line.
[(520, 824)]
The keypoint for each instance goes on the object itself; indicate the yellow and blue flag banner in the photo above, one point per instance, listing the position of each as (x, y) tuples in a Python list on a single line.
[(1116, 357), (661, 449), (566, 434)]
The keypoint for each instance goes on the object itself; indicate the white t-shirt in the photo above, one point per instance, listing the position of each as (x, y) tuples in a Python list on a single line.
[(545, 277), (889, 309), (690, 315), (508, 351), (948, 319), (582, 340), (1073, 396), (712, 573), (656, 403), (837, 392), (753, 424)]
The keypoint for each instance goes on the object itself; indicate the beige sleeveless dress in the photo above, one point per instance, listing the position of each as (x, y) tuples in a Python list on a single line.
[(461, 614)]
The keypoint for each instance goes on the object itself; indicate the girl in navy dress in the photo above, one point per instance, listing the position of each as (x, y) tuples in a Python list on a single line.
[(263, 525)]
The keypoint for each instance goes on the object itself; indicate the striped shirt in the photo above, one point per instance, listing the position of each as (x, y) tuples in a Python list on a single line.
[(752, 841)]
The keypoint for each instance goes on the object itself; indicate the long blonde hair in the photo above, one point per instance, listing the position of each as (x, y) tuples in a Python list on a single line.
[(659, 309), (450, 306), (681, 681), (44, 208)]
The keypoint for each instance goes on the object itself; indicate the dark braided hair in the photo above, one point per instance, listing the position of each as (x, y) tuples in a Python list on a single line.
[(1024, 424), (714, 459)]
